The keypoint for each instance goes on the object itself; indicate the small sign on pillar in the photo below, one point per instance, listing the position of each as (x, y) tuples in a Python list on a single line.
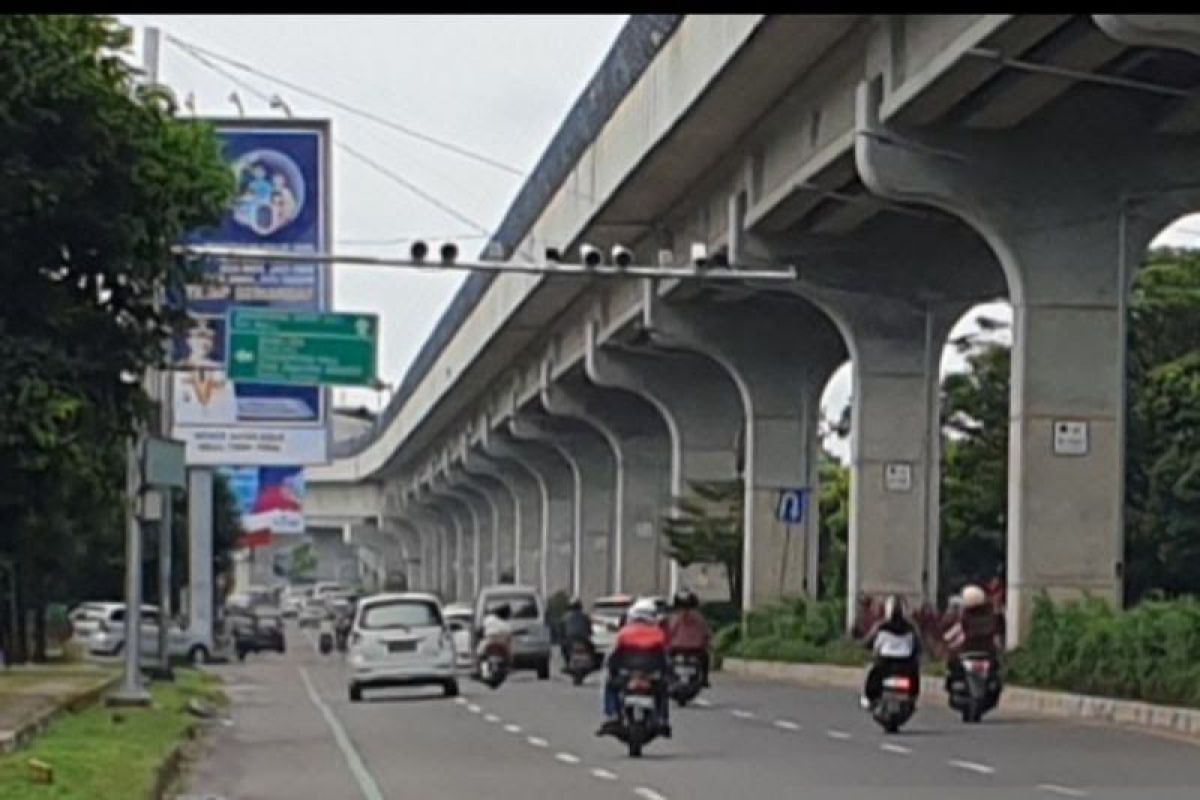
[(1070, 437), (897, 476), (790, 508)]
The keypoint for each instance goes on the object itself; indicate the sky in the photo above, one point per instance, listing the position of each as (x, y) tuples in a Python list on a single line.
[(498, 86)]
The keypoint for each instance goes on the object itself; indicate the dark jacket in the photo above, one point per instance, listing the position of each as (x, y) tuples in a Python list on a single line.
[(576, 625)]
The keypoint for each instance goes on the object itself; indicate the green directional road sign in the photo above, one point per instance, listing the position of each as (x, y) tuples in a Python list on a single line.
[(308, 348)]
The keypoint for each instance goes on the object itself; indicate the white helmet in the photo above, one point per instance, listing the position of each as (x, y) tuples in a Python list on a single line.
[(973, 597), (644, 610)]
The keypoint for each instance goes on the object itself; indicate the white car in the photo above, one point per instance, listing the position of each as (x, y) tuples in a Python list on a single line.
[(293, 600), (87, 618), (458, 619), (109, 638), (607, 613), (401, 640)]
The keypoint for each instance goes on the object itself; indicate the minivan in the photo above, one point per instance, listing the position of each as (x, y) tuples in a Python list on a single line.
[(531, 636)]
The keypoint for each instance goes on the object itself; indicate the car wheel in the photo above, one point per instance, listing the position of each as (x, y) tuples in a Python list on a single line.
[(543, 670), (198, 655), (355, 693), (450, 688)]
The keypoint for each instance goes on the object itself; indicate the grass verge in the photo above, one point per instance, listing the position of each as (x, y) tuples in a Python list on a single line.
[(95, 757)]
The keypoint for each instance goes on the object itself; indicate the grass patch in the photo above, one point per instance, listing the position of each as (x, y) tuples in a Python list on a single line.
[(95, 758)]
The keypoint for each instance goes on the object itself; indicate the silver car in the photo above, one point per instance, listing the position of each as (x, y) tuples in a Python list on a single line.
[(400, 640), (531, 636)]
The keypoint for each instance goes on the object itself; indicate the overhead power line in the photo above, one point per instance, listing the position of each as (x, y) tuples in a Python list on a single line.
[(371, 163), (333, 101)]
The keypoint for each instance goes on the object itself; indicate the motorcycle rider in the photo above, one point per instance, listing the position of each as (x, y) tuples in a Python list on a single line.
[(496, 631), (688, 631), (642, 645), (896, 646), (577, 627), (977, 630)]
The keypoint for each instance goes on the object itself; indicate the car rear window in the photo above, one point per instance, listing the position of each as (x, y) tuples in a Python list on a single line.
[(521, 606), (400, 614), (610, 609)]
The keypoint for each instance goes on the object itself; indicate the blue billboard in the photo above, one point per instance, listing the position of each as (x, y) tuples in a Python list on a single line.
[(281, 168)]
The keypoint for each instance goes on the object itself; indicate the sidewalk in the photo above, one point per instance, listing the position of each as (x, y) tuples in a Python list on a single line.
[(30, 696)]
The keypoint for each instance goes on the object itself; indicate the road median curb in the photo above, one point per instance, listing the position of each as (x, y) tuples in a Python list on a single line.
[(1163, 719), (28, 729)]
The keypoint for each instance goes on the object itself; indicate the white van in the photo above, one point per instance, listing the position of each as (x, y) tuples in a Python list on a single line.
[(531, 636)]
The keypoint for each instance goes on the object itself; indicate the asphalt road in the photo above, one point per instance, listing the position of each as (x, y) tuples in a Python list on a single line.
[(295, 736)]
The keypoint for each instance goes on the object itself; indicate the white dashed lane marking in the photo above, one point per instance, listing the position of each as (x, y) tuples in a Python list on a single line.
[(462, 701), (604, 774), (898, 749), (841, 736), (1062, 791), (491, 718), (786, 724), (742, 713), (513, 728), (567, 758), (972, 766), (703, 703), (648, 794), (537, 742), (474, 709)]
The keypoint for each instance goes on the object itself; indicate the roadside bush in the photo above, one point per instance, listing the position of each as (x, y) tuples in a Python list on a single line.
[(797, 630), (1150, 652)]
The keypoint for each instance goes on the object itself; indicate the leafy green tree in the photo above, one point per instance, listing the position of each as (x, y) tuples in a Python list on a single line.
[(303, 564), (834, 504), (707, 529), (97, 181)]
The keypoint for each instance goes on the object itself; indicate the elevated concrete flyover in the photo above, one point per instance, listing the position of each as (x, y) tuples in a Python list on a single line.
[(909, 166)]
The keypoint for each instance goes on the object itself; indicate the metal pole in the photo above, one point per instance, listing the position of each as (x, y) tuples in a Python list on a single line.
[(132, 690), (165, 615)]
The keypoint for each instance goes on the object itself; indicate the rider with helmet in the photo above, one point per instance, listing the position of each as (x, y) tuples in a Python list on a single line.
[(576, 627), (688, 631), (896, 646), (978, 629), (641, 645)]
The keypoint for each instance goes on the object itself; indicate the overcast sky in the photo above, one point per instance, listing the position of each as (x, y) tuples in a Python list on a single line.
[(497, 85)]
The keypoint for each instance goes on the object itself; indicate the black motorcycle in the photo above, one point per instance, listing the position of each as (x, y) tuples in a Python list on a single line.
[(975, 690), (896, 703), (341, 632), (687, 677), (640, 720), (581, 660)]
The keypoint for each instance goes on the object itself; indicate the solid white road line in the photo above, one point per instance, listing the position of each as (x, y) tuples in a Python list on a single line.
[(604, 774), (648, 793), (1064, 791), (742, 713), (512, 728), (786, 724), (898, 749), (567, 758), (972, 766), (536, 742), (841, 736), (362, 776)]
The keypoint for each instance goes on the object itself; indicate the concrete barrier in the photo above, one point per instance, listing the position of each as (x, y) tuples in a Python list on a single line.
[(1064, 705), (29, 728)]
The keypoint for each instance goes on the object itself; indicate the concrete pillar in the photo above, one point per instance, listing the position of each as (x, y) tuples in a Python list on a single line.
[(530, 499), (496, 482), (593, 474), (557, 489), (1068, 204), (467, 526), (700, 407), (779, 352), (638, 438), (476, 494)]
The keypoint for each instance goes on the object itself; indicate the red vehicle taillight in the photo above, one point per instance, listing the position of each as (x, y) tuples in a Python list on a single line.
[(900, 684), (977, 667), (639, 685)]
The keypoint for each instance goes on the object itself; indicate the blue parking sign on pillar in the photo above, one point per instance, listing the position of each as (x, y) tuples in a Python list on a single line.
[(791, 506)]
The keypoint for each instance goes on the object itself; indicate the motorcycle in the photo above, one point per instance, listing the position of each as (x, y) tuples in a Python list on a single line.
[(685, 683), (977, 691), (493, 665), (581, 661), (896, 703), (639, 712), (342, 633)]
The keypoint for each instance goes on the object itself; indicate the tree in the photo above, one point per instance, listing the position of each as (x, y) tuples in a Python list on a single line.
[(707, 529), (303, 564), (834, 504), (974, 512), (97, 181)]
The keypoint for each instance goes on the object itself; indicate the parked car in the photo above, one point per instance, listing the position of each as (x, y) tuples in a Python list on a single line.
[(260, 630), (400, 640), (293, 600), (109, 638), (531, 635), (87, 618), (458, 619)]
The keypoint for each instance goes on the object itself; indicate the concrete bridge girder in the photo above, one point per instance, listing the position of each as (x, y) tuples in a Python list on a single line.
[(700, 407), (1172, 31), (1068, 207), (779, 352), (640, 448), (592, 469)]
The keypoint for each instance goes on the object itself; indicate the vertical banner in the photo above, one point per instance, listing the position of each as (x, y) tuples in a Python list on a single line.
[(282, 203)]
